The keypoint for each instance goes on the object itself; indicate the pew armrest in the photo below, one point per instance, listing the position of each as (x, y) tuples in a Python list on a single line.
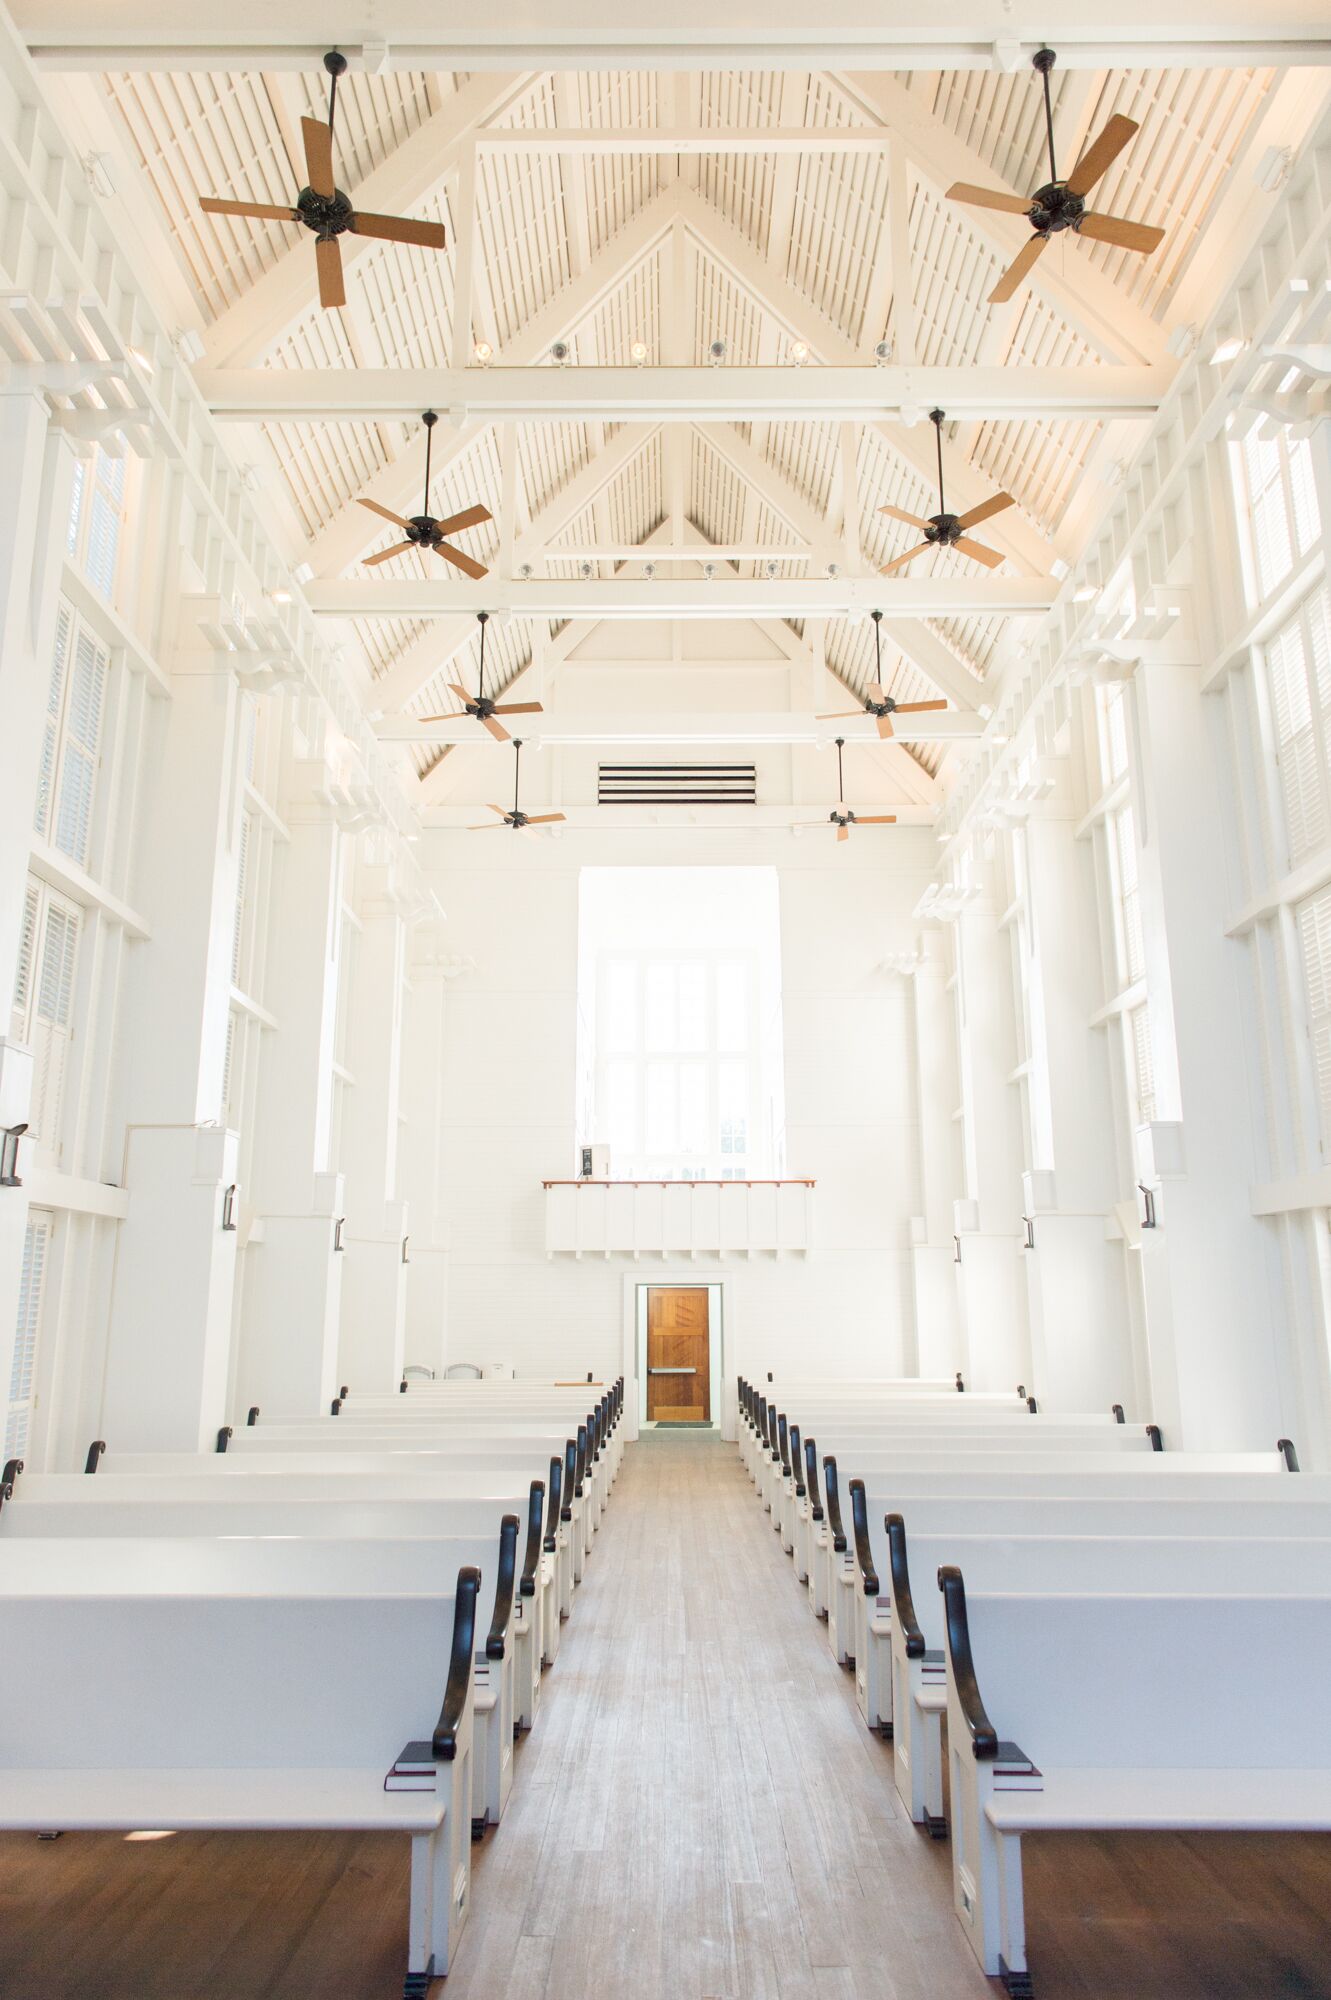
[(503, 1609), (832, 1488), (983, 1735), (458, 1686), (531, 1560), (903, 1604), (859, 1514)]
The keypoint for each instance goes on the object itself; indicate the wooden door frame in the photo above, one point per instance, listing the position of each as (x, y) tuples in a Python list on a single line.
[(720, 1328)]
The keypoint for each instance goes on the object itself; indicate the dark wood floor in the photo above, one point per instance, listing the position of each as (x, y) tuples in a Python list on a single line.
[(700, 1815)]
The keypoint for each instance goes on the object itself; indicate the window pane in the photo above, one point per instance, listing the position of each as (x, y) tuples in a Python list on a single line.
[(621, 1000), (661, 1010), (692, 1005), (662, 1134), (620, 1120), (732, 1004), (693, 1133)]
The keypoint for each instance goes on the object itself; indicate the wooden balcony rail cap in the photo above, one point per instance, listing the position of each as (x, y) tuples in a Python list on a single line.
[(797, 1180)]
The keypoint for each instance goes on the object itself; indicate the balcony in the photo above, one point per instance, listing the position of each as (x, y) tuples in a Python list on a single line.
[(587, 1218)]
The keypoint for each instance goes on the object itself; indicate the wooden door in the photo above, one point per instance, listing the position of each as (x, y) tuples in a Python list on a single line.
[(679, 1363)]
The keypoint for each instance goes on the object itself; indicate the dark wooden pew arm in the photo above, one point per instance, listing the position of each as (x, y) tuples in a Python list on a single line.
[(983, 1735), (508, 1564), (859, 1514), (444, 1741), (903, 1604)]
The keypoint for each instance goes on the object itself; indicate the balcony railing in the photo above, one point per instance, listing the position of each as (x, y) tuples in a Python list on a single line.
[(655, 1218)]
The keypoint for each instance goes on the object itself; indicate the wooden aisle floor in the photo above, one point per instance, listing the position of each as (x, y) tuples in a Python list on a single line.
[(699, 1815)]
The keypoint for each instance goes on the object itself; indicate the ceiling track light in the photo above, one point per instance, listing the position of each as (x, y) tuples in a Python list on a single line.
[(638, 353)]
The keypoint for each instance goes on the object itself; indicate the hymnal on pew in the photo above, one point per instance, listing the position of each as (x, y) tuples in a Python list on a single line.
[(413, 1770), (1014, 1771)]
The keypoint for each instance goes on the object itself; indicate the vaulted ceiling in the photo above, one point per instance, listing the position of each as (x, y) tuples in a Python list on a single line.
[(639, 218)]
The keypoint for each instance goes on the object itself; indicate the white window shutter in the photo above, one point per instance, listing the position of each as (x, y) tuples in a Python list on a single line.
[(239, 969), (32, 1277), (1314, 920), (51, 1012), (79, 752), (23, 975), (1139, 1024), (55, 703)]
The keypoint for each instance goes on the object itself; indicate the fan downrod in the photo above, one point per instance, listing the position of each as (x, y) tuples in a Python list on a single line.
[(327, 216), (1052, 208)]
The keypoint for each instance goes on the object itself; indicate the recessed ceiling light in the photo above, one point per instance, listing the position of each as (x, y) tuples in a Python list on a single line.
[(799, 352), (559, 351), (482, 353), (716, 353), (638, 353)]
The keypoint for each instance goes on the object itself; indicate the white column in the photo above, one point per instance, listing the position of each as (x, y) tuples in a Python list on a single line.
[(424, 1069), (988, 1217), (1081, 1344), (35, 497), (938, 1331), (1216, 1346), (293, 1272), (374, 1276), (171, 1299)]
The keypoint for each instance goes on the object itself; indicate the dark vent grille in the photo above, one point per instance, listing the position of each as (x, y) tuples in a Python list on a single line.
[(677, 785)]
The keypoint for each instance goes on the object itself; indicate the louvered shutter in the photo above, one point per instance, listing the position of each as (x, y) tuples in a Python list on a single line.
[(23, 974), (1314, 920), (55, 702), (78, 754), (1272, 552), (1134, 953), (243, 862), (103, 549), (51, 1010), (31, 1284), (1143, 1063)]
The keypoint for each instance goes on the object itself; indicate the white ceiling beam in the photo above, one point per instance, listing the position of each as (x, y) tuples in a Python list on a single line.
[(694, 725), (95, 35), (285, 295), (656, 597), (937, 662), (1083, 296), (352, 530), (1012, 532), (738, 395)]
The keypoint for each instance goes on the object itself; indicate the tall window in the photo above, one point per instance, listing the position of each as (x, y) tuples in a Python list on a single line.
[(43, 1006), (680, 1020), (1276, 493), (1314, 921), (1131, 948), (71, 742), (1298, 665), (96, 515)]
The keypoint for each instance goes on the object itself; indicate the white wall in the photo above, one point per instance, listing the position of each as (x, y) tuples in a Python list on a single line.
[(508, 1098)]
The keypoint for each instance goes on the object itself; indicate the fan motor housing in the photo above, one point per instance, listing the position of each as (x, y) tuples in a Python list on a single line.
[(327, 218), (422, 529), (1054, 208), (944, 529)]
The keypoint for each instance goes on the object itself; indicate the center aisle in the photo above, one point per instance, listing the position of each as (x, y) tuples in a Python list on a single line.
[(701, 1813)]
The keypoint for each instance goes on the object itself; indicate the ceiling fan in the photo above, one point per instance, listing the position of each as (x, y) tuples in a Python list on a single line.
[(948, 531), (325, 210), (517, 819), (482, 707), (424, 532), (841, 816), (1060, 205), (878, 702)]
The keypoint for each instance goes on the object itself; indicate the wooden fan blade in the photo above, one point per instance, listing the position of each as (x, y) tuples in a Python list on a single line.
[(877, 690), (488, 825), (1101, 154), (885, 729), (470, 517), (900, 514), (840, 715), (543, 819), (262, 211), (400, 229), (875, 819), (985, 509), (1017, 270), (318, 156), (501, 810), (843, 833), (328, 258), (385, 513), (978, 197), (459, 561), (460, 692), (918, 707), (496, 729), (988, 557), (436, 718), (811, 822), (1115, 229), (518, 708), (909, 556), (398, 549)]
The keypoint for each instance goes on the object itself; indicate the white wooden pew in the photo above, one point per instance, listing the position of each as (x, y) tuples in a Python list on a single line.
[(212, 1694), (1052, 1560), (1141, 1713)]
